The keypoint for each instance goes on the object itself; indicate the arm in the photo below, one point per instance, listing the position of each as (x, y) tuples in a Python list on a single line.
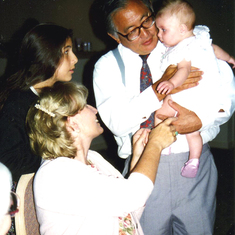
[(187, 121), (160, 137), (223, 55), (107, 184), (140, 139), (15, 150), (119, 104), (191, 81), (184, 68)]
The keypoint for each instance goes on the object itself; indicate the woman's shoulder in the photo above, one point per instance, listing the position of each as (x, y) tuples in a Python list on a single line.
[(59, 167), (18, 103), (19, 96)]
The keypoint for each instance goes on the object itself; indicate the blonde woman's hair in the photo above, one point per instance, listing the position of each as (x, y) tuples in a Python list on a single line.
[(180, 9), (46, 120)]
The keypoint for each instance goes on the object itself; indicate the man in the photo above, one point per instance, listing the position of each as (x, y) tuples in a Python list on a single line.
[(177, 204)]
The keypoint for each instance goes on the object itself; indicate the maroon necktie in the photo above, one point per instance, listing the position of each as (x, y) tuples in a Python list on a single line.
[(146, 81)]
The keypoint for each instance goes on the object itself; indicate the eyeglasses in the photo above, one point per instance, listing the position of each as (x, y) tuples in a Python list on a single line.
[(135, 33), (14, 206)]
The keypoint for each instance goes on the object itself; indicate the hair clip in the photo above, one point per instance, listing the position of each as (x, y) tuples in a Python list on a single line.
[(37, 106)]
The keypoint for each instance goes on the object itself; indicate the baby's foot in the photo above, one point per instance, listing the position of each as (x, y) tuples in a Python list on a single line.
[(190, 168)]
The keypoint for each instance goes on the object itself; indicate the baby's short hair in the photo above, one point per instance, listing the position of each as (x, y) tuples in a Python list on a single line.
[(181, 9)]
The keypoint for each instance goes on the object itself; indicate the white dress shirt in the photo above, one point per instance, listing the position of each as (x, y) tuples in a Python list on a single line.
[(123, 108)]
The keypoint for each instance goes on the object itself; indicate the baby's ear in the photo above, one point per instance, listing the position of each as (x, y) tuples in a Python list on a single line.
[(183, 28)]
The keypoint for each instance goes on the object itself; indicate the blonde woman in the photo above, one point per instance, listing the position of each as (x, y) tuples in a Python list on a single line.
[(76, 190)]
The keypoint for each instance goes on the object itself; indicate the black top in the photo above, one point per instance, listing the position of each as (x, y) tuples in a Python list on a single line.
[(15, 151)]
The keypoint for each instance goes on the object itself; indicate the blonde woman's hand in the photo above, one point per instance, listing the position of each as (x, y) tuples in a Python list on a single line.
[(140, 140), (164, 134), (159, 138)]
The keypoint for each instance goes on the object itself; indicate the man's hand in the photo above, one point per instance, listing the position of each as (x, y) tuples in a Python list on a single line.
[(187, 121), (192, 80)]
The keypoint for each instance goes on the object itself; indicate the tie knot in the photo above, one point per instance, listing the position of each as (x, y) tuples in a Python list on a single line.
[(144, 57)]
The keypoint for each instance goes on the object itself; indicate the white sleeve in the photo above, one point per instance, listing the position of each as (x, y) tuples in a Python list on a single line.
[(226, 97), (70, 187), (227, 101), (120, 108), (115, 196)]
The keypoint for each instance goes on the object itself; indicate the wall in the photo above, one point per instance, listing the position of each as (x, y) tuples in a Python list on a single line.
[(70, 13), (217, 14)]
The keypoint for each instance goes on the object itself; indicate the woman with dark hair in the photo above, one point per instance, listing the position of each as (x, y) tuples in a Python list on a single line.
[(46, 57)]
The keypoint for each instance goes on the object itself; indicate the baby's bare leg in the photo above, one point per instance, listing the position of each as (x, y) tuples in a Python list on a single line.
[(195, 143), (165, 109)]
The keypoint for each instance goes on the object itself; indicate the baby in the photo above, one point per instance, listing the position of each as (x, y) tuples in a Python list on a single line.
[(187, 46)]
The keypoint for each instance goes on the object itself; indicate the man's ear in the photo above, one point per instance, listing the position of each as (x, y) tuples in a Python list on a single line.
[(183, 28), (113, 37)]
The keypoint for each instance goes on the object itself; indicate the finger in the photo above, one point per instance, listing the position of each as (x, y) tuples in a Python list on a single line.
[(160, 90), (144, 136), (194, 68), (184, 87), (174, 133), (165, 90), (192, 79), (161, 86), (174, 105), (172, 128), (137, 135), (168, 121), (195, 74), (171, 70), (192, 85), (162, 117), (139, 132)]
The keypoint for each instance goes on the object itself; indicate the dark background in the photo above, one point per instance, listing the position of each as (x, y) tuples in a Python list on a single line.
[(18, 16)]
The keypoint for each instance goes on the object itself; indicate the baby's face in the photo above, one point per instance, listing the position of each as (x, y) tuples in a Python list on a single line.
[(168, 30)]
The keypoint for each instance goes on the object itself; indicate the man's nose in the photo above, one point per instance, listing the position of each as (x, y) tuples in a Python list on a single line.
[(144, 32)]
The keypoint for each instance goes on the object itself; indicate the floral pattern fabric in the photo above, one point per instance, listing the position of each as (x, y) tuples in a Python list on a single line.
[(126, 227)]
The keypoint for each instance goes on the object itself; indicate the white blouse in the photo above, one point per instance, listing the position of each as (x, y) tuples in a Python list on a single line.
[(74, 198)]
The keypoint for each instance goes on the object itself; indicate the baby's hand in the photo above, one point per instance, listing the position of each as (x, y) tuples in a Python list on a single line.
[(232, 61), (165, 87)]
